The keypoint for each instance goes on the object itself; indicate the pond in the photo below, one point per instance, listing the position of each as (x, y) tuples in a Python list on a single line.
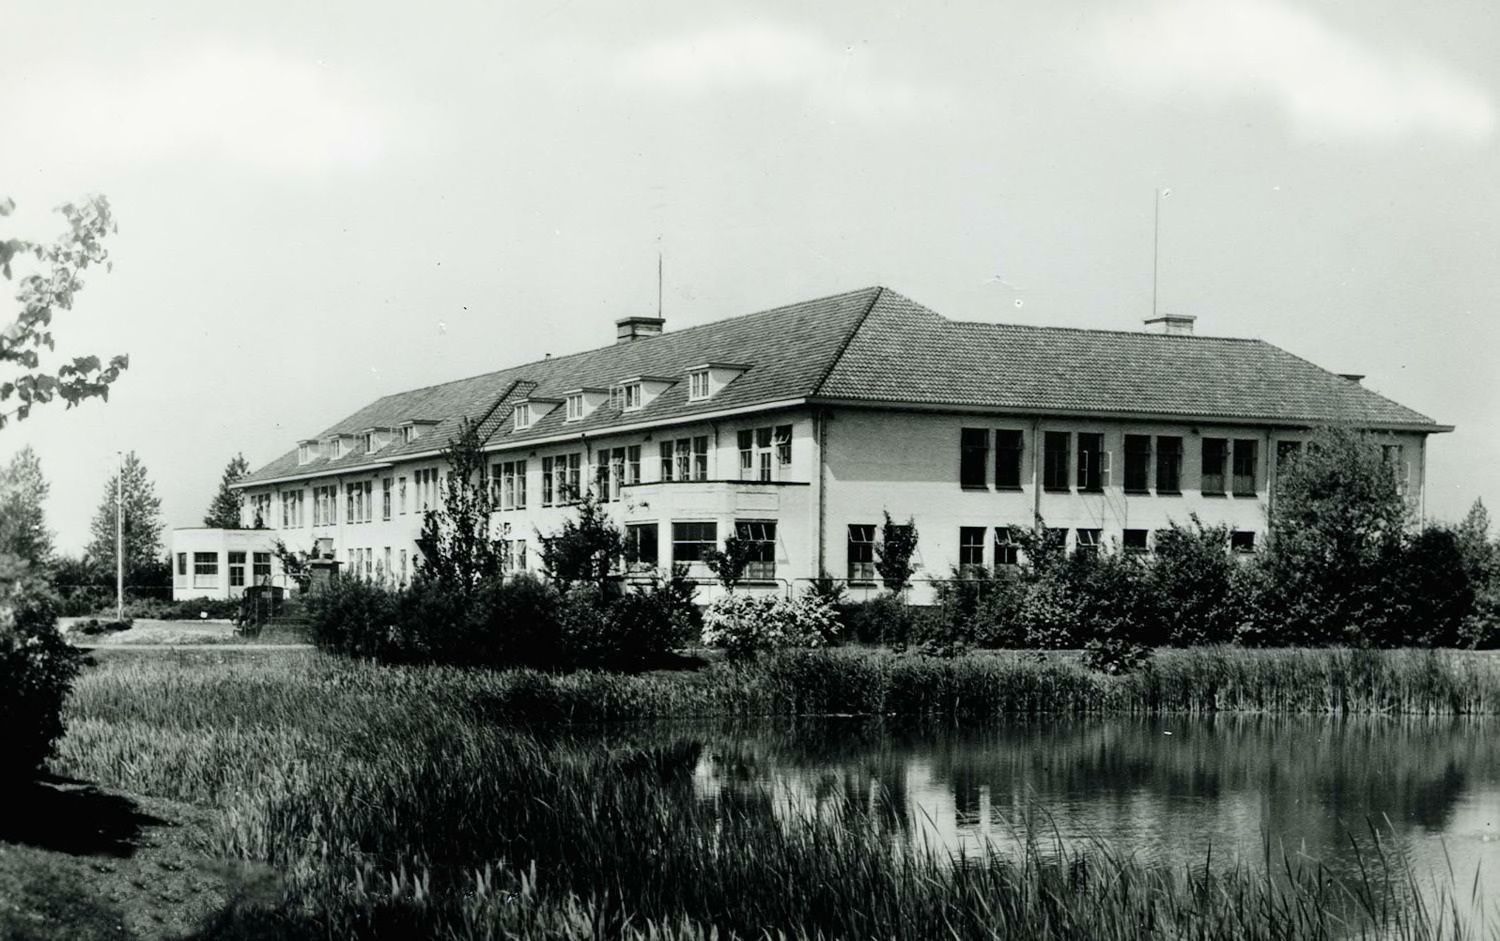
[(1164, 789)]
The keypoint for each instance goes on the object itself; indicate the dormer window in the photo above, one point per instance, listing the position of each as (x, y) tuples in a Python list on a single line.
[(632, 393), (408, 434), (697, 385), (575, 406), (305, 451), (523, 416), (368, 440)]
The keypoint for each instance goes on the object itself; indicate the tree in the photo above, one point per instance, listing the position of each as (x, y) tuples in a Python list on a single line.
[(224, 511), (457, 550), (584, 550), (1333, 563), (728, 564), (43, 292), (143, 526), (898, 543), (23, 524)]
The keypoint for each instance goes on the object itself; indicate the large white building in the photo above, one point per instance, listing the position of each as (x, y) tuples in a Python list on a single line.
[(799, 427)]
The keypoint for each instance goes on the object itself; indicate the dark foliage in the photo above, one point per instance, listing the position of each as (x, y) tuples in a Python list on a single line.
[(37, 668)]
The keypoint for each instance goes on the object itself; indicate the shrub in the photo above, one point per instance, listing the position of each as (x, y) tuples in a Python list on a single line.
[(357, 618), (37, 668), (745, 625), (635, 631), (884, 619), (1191, 567), (93, 627)]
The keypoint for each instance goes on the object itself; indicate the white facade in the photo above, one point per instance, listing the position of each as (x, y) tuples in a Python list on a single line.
[(809, 474)]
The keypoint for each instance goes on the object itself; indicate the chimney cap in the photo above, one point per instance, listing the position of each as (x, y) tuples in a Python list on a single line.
[(638, 328), (642, 320), (1175, 324), (1353, 377)]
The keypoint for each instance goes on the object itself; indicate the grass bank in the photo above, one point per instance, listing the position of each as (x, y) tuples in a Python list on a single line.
[(393, 804)]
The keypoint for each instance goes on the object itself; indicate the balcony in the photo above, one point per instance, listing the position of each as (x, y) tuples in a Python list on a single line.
[(713, 498)]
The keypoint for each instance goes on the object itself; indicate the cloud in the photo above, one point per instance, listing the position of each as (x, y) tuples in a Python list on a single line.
[(750, 57), (221, 104), (1325, 82)]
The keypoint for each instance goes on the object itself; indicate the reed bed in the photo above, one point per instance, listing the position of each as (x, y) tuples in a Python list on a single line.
[(412, 802)]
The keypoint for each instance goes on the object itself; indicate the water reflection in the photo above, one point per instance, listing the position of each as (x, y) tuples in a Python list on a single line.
[(1164, 790)]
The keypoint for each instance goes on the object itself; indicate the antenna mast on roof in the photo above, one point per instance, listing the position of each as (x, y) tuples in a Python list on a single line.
[(658, 276), (1161, 194)]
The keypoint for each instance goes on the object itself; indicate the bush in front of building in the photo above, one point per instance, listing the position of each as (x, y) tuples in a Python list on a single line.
[(745, 625), (37, 668)]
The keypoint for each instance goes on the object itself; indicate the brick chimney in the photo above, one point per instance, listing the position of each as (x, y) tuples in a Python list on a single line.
[(1180, 325), (628, 329)]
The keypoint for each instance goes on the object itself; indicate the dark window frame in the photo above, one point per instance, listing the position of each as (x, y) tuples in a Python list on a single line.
[(1244, 465), (971, 540), (1138, 455), (1091, 458), (860, 552), (1169, 451), (973, 458), (1214, 453), (1057, 462), (1010, 450)]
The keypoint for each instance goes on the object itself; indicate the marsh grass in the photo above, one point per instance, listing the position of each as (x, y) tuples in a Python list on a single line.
[(409, 802)]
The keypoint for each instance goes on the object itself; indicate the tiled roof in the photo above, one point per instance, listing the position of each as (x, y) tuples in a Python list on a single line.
[(789, 350), (875, 345), (904, 352)]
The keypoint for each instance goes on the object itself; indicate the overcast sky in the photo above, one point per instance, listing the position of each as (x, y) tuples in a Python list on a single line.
[(320, 203)]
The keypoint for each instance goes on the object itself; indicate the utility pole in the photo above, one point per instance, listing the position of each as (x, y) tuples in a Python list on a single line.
[(120, 536)]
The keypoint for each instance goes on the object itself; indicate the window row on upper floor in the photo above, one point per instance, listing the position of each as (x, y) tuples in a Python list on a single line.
[(1080, 461)]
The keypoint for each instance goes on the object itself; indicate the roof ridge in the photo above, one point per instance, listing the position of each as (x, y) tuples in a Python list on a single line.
[(661, 336), (849, 338), (1115, 331)]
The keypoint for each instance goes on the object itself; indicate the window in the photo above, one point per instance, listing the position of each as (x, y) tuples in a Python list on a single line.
[(974, 457), (1245, 456), (236, 570), (548, 495), (1088, 542), (666, 460), (700, 457), (402, 574), (697, 385), (761, 560), (575, 406), (783, 448), (683, 459), (763, 454), (1168, 464), (369, 559), (291, 509), (747, 454), (401, 495), (182, 563), (1008, 451), (1134, 540), (205, 570), (523, 416), (408, 434), (304, 453), (1287, 453), (1007, 552), (1214, 453), (385, 498), (601, 475), (1093, 463), (573, 489), (692, 541), (633, 464), (1055, 539), (518, 555), (520, 474), (261, 562), (617, 472), (384, 570), (641, 545), (1393, 456), (325, 506), (1242, 541), (970, 548), (1137, 463), (632, 397), (427, 489), (1055, 461), (861, 553)]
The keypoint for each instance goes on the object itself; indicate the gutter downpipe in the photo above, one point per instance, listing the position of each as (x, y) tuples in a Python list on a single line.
[(820, 420), (1036, 488)]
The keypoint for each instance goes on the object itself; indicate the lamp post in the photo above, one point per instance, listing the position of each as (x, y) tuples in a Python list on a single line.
[(120, 536)]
